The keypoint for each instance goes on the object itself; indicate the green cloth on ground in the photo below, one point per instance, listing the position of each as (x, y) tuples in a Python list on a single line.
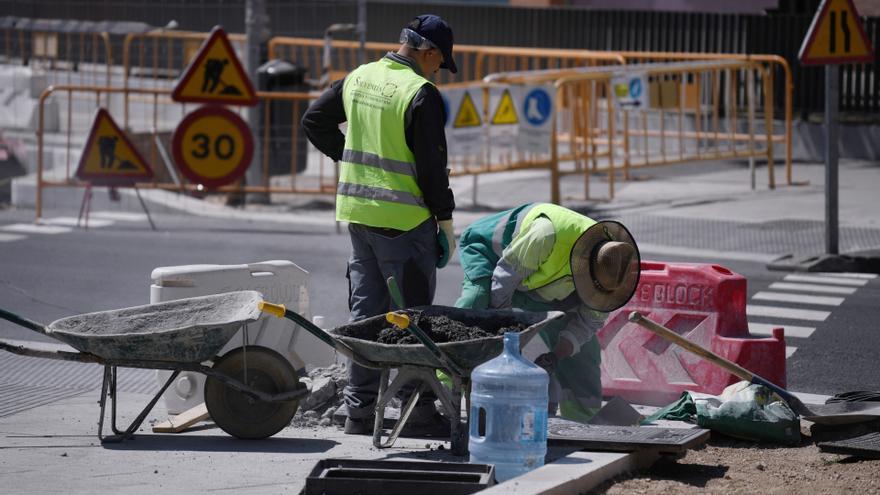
[(743, 410)]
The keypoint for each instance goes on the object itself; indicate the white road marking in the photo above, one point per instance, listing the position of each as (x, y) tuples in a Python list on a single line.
[(798, 298), (31, 228), (656, 249), (790, 330), (828, 289), (10, 237), (819, 279), (71, 222), (866, 276), (120, 215), (780, 312), (789, 351)]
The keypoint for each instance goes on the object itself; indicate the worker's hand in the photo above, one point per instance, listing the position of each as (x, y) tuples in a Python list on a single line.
[(547, 361), (563, 349), (446, 241)]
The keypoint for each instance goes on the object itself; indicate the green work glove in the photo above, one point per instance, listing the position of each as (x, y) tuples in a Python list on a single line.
[(446, 242)]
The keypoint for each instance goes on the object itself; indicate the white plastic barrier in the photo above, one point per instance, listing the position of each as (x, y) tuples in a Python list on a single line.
[(279, 281)]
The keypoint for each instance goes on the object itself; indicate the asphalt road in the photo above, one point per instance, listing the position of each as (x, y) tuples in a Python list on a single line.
[(48, 276)]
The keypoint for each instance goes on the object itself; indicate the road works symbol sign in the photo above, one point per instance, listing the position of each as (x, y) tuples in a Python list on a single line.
[(836, 36), (465, 134), (215, 75), (505, 112), (212, 146), (109, 157), (467, 115)]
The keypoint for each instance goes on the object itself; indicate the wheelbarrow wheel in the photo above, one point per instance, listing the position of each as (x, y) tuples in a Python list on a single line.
[(240, 415)]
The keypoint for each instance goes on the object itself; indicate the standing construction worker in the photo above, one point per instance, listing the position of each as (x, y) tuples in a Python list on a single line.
[(542, 257), (393, 190)]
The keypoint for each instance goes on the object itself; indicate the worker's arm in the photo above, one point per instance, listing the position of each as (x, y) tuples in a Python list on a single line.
[(520, 259), (321, 122), (583, 323), (426, 137)]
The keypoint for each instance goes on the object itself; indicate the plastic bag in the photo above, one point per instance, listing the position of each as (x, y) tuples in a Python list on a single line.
[(743, 410)]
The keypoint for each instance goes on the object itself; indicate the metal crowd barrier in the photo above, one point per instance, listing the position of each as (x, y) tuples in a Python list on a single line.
[(151, 119)]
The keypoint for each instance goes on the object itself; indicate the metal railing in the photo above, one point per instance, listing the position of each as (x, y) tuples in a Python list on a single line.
[(474, 62)]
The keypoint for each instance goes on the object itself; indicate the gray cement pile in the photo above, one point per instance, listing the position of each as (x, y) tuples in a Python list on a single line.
[(325, 387)]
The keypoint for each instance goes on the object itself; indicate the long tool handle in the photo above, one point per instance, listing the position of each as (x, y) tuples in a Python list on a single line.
[(279, 311), (403, 321), (730, 366), (22, 321)]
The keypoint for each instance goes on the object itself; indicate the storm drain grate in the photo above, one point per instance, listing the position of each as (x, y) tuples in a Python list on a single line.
[(562, 432), (864, 446)]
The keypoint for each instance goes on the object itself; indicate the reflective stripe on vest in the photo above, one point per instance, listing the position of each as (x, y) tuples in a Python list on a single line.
[(378, 183)]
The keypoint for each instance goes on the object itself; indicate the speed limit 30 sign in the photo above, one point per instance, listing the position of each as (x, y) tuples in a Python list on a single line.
[(212, 146)]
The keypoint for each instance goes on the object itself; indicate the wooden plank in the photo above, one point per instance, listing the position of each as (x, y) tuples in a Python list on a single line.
[(183, 421), (561, 432)]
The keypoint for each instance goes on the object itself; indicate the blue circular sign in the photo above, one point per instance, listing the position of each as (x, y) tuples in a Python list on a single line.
[(635, 87), (537, 106)]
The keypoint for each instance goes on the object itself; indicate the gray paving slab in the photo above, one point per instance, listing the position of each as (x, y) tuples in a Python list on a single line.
[(54, 449)]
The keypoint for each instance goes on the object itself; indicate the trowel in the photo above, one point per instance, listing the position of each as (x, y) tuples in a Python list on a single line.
[(838, 413)]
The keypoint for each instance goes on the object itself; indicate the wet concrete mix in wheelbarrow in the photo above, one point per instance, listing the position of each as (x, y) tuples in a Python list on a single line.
[(440, 328)]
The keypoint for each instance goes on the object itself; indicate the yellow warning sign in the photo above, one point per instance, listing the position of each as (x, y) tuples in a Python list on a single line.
[(109, 156), (215, 75), (467, 115), (836, 36), (505, 113)]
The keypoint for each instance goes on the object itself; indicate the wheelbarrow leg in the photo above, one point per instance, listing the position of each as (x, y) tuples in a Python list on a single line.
[(386, 393), (129, 432)]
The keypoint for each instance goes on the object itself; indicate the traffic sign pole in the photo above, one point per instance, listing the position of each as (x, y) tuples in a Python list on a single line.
[(832, 91)]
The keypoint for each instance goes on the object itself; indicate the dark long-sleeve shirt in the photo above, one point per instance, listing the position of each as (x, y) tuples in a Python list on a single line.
[(423, 127)]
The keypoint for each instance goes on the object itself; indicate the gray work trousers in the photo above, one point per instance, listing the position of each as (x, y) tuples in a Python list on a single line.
[(411, 257)]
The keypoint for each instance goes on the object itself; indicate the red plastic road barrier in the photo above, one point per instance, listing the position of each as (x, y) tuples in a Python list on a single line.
[(705, 304)]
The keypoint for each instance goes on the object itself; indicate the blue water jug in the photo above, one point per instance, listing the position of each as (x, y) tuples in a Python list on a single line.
[(508, 415)]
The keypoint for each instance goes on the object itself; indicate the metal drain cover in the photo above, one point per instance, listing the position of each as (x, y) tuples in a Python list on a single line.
[(561, 432), (863, 446)]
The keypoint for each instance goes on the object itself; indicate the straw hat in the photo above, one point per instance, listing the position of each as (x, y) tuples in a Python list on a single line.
[(605, 266)]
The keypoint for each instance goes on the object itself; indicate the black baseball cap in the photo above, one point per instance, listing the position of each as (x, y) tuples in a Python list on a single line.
[(437, 31)]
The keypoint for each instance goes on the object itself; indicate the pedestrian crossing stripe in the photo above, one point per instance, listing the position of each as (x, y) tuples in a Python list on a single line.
[(467, 115), (109, 157), (505, 113), (215, 75)]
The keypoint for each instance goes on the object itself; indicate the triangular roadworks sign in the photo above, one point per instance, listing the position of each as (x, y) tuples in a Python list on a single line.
[(467, 115), (109, 157), (836, 36), (215, 75), (505, 113)]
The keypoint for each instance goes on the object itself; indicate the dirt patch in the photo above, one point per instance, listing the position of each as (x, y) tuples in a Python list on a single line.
[(440, 328), (726, 465)]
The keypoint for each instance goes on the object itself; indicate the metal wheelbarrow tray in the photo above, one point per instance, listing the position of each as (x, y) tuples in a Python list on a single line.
[(361, 336), (182, 335)]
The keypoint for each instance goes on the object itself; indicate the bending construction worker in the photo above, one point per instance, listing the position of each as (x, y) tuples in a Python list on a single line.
[(393, 190), (542, 257)]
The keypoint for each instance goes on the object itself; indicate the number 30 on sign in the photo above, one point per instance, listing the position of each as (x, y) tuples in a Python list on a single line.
[(212, 146)]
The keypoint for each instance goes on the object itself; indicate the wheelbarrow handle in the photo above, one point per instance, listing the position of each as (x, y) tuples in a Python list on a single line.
[(403, 321), (279, 311), (22, 321)]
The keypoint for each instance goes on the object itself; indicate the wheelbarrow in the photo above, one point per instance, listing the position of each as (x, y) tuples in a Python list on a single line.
[(417, 362), (251, 392)]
